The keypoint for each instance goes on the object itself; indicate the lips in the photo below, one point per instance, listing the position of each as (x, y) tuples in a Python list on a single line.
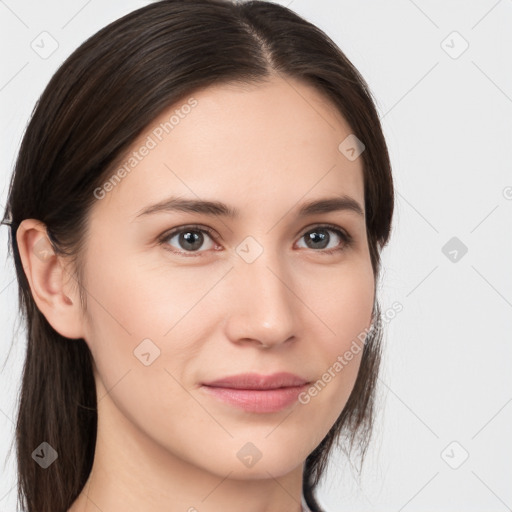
[(256, 393), (257, 381)]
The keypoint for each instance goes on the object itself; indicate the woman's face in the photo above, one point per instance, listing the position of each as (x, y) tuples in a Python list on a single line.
[(265, 290)]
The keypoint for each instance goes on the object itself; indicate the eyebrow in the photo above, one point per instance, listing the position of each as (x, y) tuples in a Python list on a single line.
[(219, 209)]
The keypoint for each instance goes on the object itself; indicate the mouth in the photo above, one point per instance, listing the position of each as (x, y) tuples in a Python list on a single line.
[(257, 393)]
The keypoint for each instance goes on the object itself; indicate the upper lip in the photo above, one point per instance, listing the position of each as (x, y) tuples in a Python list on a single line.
[(258, 381)]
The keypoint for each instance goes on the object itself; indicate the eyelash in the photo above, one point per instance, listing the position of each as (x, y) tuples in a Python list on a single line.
[(163, 239)]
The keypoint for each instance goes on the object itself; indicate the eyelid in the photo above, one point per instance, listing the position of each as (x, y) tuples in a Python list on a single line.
[(326, 225), (191, 227)]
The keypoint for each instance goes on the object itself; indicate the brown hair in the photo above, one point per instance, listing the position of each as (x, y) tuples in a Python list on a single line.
[(149, 60)]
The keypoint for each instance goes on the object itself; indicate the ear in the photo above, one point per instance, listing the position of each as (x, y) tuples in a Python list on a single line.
[(54, 289)]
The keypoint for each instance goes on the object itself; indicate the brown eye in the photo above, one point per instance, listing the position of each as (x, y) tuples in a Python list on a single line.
[(188, 239)]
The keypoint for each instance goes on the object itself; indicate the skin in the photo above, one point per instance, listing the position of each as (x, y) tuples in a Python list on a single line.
[(163, 444)]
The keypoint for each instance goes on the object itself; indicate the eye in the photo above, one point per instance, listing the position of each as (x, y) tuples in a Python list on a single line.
[(319, 238), (188, 239)]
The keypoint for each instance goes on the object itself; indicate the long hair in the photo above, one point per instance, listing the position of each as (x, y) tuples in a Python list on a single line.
[(100, 99)]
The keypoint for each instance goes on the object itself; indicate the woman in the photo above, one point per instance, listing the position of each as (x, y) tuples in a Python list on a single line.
[(196, 218)]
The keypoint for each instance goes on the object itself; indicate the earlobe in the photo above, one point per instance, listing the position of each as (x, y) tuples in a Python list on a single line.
[(49, 279)]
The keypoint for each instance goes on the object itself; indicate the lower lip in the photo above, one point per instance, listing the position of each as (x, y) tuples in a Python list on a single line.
[(257, 400)]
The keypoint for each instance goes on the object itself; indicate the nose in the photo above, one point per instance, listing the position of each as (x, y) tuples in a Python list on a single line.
[(263, 308)]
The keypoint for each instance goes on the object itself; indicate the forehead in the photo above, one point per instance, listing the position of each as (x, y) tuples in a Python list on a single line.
[(247, 144)]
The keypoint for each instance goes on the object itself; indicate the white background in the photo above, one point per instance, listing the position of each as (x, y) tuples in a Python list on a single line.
[(448, 123)]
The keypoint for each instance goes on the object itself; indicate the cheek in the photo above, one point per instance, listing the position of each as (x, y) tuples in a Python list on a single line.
[(127, 298), (138, 314), (343, 301), (344, 305), (138, 368)]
